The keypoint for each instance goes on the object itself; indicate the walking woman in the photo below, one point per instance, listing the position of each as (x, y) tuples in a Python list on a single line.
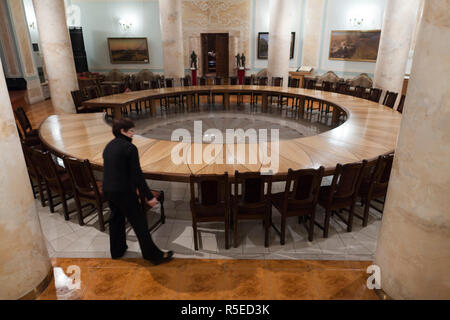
[(122, 180)]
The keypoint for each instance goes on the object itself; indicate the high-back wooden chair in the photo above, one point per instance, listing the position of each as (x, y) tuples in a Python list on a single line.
[(375, 185), (24, 123), (341, 194), (401, 104), (375, 95), (56, 180), (86, 188), (252, 203), (218, 81), (35, 179), (210, 201), (389, 99), (299, 199), (342, 88)]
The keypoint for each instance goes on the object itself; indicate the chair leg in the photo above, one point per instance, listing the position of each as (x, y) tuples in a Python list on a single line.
[(283, 230), (194, 227), (100, 216), (366, 212), (227, 232), (266, 233), (326, 224), (50, 198), (62, 194), (311, 227), (350, 218), (41, 192), (235, 231), (79, 211)]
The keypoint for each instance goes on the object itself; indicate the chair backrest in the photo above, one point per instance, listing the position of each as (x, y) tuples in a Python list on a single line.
[(32, 171), (185, 82), (277, 81), (363, 80), (401, 105), (359, 91), (203, 81), (293, 82), (154, 84), (390, 99), (347, 179), (211, 189), (106, 90), (45, 167), (253, 186), (78, 98), (218, 81), (309, 83), (23, 119), (302, 188), (382, 172), (342, 87), (262, 81), (169, 82), (92, 92), (233, 81), (81, 175), (248, 81), (375, 95), (144, 75), (327, 86)]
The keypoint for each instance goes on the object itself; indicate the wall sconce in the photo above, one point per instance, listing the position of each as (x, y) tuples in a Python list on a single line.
[(32, 25), (125, 25)]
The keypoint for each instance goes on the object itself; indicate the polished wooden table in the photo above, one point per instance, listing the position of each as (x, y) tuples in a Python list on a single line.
[(370, 130)]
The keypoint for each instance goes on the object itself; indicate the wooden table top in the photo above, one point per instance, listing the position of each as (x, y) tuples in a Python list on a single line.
[(370, 130)]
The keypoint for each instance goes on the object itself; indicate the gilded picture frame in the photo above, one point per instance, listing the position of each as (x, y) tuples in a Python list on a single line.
[(354, 45)]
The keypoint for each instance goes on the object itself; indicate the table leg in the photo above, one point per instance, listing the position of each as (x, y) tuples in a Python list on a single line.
[(264, 102), (226, 100), (151, 102), (189, 98), (117, 112), (336, 114)]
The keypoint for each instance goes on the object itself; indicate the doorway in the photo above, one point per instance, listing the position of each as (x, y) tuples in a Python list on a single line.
[(215, 54)]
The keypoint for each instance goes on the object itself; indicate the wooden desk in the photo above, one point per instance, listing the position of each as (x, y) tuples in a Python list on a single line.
[(371, 130)]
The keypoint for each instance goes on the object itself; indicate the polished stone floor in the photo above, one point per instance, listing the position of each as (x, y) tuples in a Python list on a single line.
[(69, 239), (193, 279)]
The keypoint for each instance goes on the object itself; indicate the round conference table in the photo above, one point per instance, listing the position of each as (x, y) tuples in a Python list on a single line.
[(370, 130)]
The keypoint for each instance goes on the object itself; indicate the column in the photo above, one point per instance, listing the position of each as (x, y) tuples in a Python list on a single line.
[(312, 32), (57, 51), (396, 36), (172, 38), (413, 250), (25, 267), (279, 40), (34, 89)]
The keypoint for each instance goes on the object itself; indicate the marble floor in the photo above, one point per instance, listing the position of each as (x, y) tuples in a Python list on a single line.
[(69, 239), (194, 279)]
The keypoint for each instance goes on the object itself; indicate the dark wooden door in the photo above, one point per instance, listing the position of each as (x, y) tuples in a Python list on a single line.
[(204, 37), (222, 54)]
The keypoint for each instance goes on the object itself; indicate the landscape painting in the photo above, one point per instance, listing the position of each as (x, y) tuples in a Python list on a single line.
[(128, 50), (354, 45), (263, 45)]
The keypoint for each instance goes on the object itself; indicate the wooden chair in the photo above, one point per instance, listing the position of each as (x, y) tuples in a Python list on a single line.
[(309, 84), (324, 107), (300, 201), (292, 83), (234, 81), (174, 99), (212, 202), (342, 88), (160, 196), (360, 92), (252, 203), (248, 81), (276, 82), (86, 188), (401, 104), (55, 179), (218, 81), (25, 124), (390, 99), (375, 186), (261, 81), (185, 82), (341, 194), (35, 179), (375, 95), (203, 81)]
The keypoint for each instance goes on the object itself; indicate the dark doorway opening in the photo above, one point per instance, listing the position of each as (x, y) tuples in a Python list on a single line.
[(215, 54)]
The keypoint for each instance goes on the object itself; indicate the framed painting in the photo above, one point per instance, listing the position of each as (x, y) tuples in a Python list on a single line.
[(128, 50), (354, 45), (263, 45)]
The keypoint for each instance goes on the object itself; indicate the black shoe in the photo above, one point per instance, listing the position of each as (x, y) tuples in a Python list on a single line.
[(167, 256), (120, 256)]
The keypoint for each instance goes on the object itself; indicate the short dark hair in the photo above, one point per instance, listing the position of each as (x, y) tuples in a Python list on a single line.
[(125, 124)]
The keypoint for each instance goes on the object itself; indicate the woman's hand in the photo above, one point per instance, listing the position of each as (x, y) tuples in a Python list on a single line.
[(152, 202)]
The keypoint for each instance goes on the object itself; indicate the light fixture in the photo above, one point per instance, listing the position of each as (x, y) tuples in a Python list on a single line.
[(32, 25), (125, 24), (356, 22)]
